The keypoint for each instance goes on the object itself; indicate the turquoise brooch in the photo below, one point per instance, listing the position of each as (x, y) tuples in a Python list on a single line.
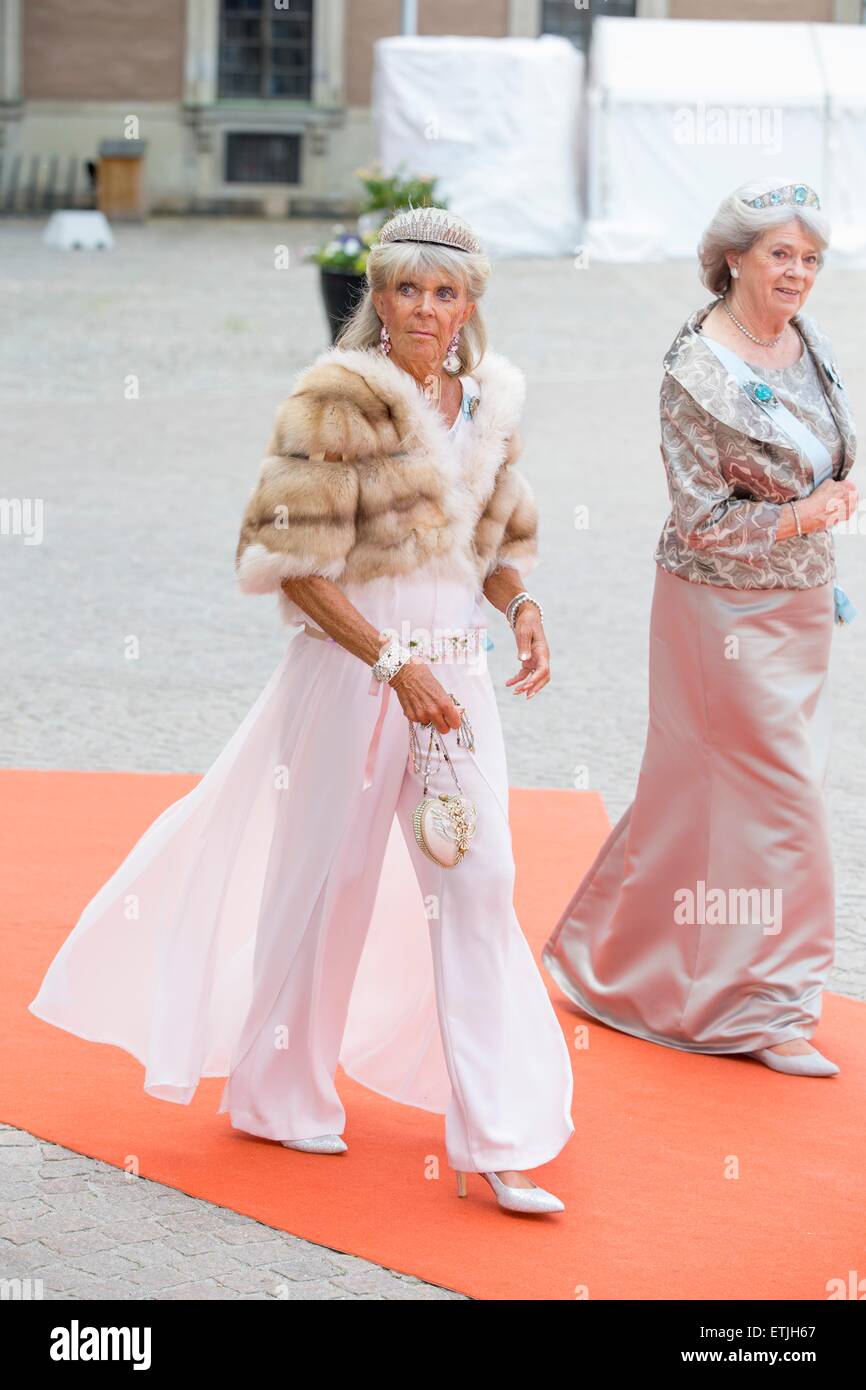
[(832, 373), (761, 393)]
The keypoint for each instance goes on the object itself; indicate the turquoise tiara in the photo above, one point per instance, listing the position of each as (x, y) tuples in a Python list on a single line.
[(797, 194)]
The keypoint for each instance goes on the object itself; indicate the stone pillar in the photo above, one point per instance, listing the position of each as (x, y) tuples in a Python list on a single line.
[(10, 51), (524, 18)]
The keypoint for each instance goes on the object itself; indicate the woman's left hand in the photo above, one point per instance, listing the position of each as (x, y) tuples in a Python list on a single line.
[(533, 652)]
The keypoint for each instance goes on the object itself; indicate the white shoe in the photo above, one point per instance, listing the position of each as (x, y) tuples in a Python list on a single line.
[(796, 1064), (515, 1198), (324, 1144)]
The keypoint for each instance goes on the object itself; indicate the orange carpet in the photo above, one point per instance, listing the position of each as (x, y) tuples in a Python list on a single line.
[(688, 1177)]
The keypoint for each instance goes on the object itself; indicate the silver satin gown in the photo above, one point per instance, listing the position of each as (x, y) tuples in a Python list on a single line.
[(706, 922)]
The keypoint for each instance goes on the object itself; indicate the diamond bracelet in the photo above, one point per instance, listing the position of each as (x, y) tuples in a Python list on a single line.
[(391, 659)]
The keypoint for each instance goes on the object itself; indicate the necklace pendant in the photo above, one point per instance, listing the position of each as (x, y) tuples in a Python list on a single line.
[(432, 388)]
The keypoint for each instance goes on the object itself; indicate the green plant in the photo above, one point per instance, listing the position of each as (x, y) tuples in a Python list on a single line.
[(393, 191), (348, 251), (345, 251)]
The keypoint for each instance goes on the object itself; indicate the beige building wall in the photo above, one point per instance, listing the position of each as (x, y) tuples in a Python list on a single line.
[(102, 50), (813, 11), (72, 72), (481, 17), (368, 20)]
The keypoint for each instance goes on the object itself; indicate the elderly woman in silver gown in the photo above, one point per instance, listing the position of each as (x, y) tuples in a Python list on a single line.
[(706, 922)]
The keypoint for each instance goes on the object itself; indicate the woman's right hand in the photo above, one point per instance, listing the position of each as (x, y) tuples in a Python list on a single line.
[(830, 503), (423, 698)]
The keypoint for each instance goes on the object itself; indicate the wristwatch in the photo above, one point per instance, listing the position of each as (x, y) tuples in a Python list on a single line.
[(391, 659)]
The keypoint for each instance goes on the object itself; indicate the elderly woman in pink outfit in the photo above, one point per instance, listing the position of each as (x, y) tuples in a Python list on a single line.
[(706, 922), (301, 907)]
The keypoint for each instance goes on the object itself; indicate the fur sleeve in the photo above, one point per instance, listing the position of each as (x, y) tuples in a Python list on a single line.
[(514, 501), (519, 544), (300, 518)]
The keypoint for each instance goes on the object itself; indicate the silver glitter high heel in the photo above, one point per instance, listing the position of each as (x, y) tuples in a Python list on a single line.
[(324, 1144), (797, 1064), (528, 1199)]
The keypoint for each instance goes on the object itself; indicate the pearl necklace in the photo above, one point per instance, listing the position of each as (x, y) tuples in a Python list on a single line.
[(764, 342)]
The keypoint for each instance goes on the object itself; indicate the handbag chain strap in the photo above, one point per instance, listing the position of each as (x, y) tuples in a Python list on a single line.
[(465, 728)]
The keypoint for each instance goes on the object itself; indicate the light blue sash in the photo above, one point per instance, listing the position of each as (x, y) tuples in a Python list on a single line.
[(808, 444), (763, 395)]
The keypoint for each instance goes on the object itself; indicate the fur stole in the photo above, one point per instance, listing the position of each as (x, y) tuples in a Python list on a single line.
[(402, 493)]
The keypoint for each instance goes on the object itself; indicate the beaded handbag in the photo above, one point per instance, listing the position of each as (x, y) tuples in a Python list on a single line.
[(443, 822)]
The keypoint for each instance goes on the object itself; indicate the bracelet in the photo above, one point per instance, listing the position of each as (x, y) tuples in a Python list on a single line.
[(515, 605), (392, 659), (793, 506), (511, 602)]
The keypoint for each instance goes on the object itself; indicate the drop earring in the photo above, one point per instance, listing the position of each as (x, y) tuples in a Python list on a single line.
[(384, 340), (452, 360)]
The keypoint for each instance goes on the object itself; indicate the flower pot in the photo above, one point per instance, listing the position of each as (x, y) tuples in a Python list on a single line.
[(341, 291)]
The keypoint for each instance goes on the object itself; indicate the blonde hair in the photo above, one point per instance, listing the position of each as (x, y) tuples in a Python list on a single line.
[(390, 262), (736, 227)]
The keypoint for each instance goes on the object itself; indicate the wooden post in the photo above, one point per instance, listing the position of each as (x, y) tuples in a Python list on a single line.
[(119, 181)]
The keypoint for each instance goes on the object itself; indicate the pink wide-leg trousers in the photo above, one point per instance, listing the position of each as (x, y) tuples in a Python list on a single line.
[(506, 1055)]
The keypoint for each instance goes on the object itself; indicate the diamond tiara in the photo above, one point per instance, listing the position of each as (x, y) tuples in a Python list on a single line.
[(434, 225), (797, 194)]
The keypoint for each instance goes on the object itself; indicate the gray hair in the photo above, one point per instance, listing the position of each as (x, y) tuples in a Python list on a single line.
[(736, 227), (389, 262)]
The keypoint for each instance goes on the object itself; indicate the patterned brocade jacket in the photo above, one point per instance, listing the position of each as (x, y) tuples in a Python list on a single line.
[(731, 469), (399, 495)]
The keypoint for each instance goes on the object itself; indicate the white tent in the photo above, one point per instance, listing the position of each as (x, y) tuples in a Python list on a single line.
[(841, 50), (496, 120), (681, 112)]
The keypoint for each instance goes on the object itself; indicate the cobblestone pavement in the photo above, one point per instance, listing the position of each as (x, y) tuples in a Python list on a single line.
[(78, 1228), (144, 382)]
